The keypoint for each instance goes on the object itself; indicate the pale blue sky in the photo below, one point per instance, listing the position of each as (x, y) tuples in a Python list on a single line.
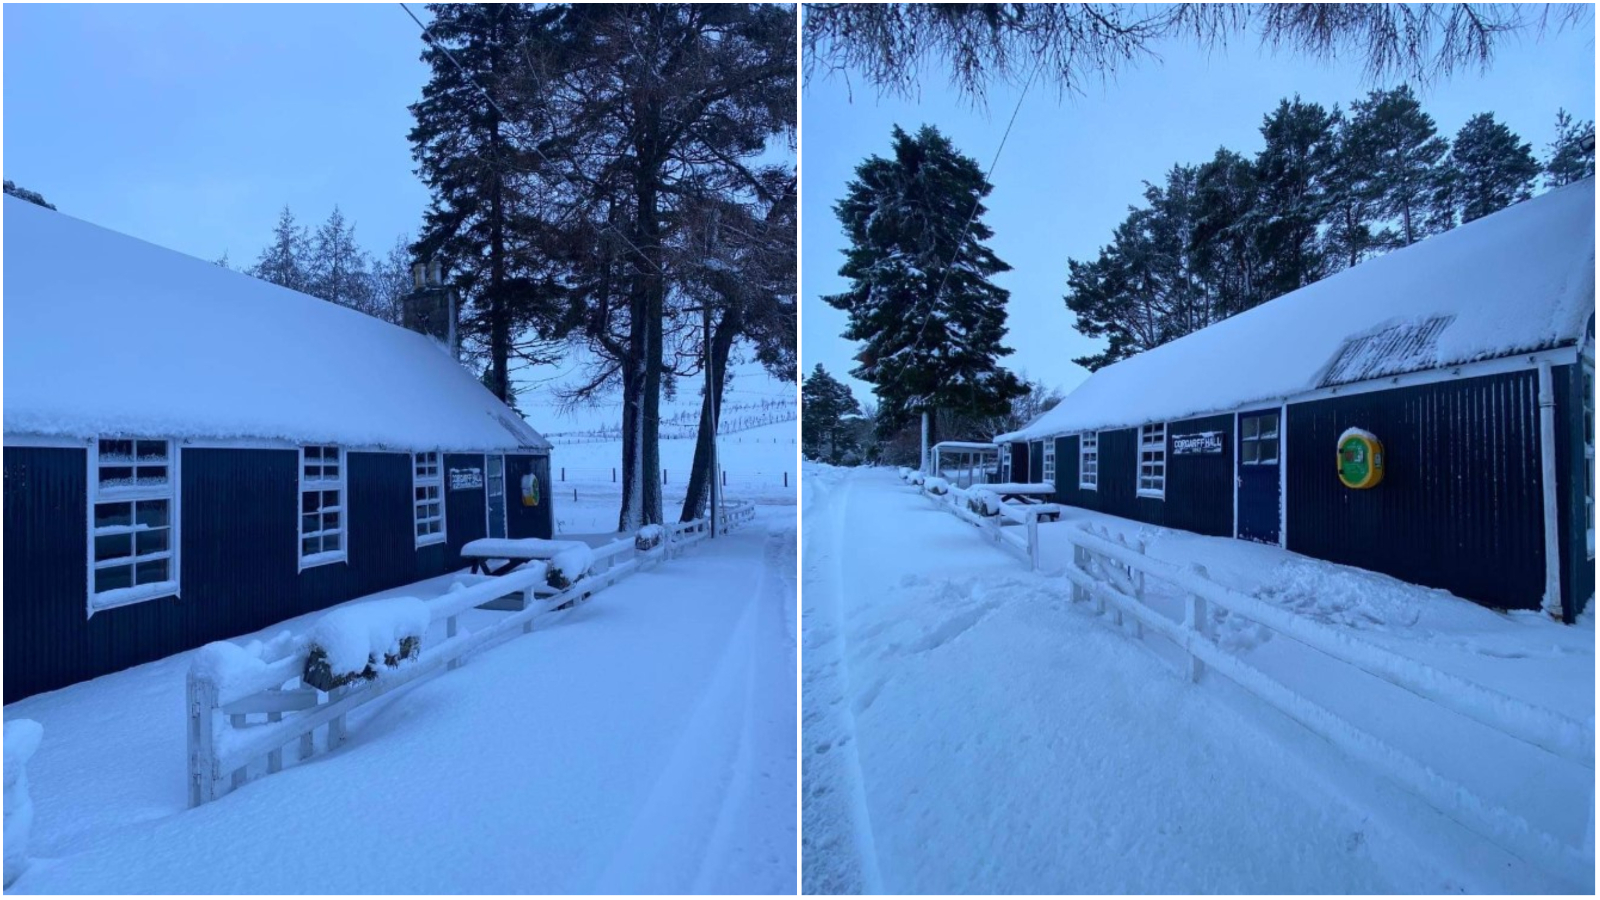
[(191, 125), (1073, 165)]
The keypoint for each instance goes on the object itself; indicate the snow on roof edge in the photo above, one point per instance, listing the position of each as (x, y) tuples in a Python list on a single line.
[(1484, 262)]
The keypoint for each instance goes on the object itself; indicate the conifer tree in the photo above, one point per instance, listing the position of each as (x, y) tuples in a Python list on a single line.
[(337, 269), (825, 403), (1569, 160), (1294, 173), (1410, 174), (1493, 167), (920, 297), (283, 261)]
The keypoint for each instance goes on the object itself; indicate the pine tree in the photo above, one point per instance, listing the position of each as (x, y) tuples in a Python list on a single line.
[(466, 155), (1410, 172), (1353, 231), (283, 262), (391, 280), (920, 296), (1227, 253), (337, 268), (1571, 153), (1294, 173), (1494, 168), (827, 432)]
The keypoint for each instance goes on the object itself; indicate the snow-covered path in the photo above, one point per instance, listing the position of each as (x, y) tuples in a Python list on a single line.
[(967, 730), (643, 741)]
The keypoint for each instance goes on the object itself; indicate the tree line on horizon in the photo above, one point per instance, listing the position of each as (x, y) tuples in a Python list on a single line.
[(1329, 189)]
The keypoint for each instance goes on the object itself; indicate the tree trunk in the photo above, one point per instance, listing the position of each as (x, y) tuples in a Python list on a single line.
[(710, 411), (628, 519)]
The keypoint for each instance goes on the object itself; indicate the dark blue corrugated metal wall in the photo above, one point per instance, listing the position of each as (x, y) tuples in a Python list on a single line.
[(239, 557), (1199, 495), (1577, 569), (1019, 462), (529, 521), (465, 517), (1460, 505)]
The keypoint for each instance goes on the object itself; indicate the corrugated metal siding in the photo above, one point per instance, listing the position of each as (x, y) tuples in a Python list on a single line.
[(464, 509), (46, 533), (1035, 461), (529, 521), (1577, 570), (239, 558), (1200, 487), (1118, 492), (1460, 506), (1019, 462), (1406, 347)]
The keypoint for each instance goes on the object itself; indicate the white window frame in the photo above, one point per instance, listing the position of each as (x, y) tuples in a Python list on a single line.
[(340, 484), (133, 495), (1049, 465), (1254, 441), (1152, 439), (488, 507), (427, 472), (1089, 461)]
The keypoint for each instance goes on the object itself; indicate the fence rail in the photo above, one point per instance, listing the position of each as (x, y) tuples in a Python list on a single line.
[(241, 720), (1112, 573)]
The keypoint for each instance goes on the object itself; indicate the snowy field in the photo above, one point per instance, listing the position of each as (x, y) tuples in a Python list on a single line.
[(641, 742), (760, 464), (968, 729)]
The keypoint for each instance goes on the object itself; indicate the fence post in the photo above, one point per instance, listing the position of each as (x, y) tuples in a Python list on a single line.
[(528, 600), (563, 473), (1138, 593), (663, 476), (202, 748), (613, 474), (1033, 540), (450, 629), (1194, 618), (275, 757), (786, 479)]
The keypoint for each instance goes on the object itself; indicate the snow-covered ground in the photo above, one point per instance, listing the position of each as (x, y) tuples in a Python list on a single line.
[(760, 464), (968, 729), (643, 741)]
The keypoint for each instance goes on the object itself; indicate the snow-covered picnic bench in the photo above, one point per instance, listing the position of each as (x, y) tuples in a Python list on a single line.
[(498, 556), (1021, 492)]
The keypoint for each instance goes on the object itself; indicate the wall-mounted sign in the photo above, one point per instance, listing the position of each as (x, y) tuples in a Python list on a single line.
[(466, 479), (1360, 459), (1204, 443)]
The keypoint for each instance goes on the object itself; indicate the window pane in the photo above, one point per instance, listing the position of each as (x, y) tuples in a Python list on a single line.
[(1250, 452), (1249, 428), (153, 513), (112, 578), (1269, 426), (152, 571), (1269, 451), (116, 450), (309, 503), (330, 542), (151, 541), (310, 546), (112, 546), (150, 476), (313, 453), (113, 515), (330, 499), (116, 476), (330, 521), (152, 449)]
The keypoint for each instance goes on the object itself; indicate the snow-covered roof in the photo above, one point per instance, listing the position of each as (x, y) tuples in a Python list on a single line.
[(1518, 281), (108, 334)]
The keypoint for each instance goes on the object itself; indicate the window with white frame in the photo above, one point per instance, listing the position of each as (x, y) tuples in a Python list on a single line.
[(322, 495), (133, 522), (1049, 460), (1089, 460), (427, 486), (1153, 460)]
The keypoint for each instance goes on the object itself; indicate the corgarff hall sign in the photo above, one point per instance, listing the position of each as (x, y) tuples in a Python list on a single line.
[(1204, 443)]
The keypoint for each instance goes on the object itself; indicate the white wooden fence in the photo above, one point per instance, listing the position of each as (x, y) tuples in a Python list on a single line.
[(247, 722), (1112, 575), (1016, 527)]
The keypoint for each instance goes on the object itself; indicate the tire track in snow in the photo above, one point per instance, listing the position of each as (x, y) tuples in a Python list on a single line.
[(840, 854)]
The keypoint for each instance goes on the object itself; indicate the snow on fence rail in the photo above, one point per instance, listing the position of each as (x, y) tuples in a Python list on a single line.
[(248, 703), (1113, 574)]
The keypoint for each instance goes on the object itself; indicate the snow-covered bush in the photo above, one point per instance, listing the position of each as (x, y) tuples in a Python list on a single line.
[(350, 643), (984, 502), (905, 473), (568, 565), (918, 477), (936, 486), (22, 737), (649, 537)]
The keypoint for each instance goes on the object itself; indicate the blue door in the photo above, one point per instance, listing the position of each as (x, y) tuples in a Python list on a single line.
[(1260, 449)]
